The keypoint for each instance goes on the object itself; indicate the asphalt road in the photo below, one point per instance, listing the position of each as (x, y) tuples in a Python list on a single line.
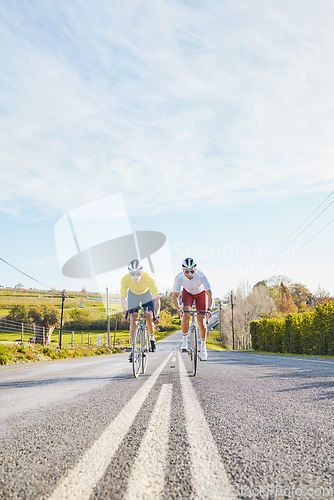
[(247, 426)]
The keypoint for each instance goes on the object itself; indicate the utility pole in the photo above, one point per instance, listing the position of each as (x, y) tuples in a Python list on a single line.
[(232, 306), (220, 322), (63, 296), (108, 317)]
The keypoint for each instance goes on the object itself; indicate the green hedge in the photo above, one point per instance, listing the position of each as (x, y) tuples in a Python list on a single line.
[(303, 333)]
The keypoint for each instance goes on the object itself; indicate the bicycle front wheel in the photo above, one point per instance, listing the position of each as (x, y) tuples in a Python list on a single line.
[(194, 355), (136, 351), (144, 349)]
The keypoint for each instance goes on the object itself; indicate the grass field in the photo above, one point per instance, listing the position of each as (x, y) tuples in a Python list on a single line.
[(10, 298)]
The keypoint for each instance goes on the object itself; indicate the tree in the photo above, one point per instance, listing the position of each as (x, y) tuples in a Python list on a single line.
[(301, 296), (321, 296), (19, 313), (284, 302), (273, 284), (45, 319), (80, 319), (247, 307)]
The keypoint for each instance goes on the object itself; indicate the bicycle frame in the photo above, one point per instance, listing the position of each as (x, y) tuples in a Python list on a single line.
[(193, 339), (140, 344)]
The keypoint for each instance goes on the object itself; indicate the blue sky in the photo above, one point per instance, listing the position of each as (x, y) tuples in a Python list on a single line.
[(214, 120)]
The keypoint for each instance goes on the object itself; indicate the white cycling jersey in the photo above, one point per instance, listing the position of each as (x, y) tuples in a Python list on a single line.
[(195, 285)]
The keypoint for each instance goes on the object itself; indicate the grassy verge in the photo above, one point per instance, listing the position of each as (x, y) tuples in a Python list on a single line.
[(212, 342), (13, 353), (290, 354)]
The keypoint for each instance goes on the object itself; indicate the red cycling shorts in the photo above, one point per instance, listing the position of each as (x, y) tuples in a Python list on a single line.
[(188, 299)]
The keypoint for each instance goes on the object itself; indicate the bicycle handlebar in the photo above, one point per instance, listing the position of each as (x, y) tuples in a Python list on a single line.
[(145, 309), (192, 311)]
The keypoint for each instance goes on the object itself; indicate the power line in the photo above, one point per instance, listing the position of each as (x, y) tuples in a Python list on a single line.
[(294, 239), (308, 241), (25, 274), (44, 284), (309, 224), (314, 211), (271, 259)]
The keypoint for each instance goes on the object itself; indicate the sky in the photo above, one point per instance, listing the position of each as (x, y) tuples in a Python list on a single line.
[(214, 121)]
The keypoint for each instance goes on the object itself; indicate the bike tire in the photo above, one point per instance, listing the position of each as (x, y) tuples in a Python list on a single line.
[(136, 351), (144, 349), (194, 346)]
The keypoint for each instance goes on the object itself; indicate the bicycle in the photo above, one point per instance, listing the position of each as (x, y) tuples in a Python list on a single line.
[(140, 344), (193, 340)]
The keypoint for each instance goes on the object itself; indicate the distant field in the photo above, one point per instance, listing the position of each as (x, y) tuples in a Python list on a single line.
[(10, 298)]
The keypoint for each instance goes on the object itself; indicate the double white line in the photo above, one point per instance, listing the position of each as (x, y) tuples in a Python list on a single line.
[(147, 476)]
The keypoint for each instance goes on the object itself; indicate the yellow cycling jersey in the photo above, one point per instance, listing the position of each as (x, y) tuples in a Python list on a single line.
[(145, 283)]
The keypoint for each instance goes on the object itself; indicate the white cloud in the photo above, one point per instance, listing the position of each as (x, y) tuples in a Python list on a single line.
[(233, 99)]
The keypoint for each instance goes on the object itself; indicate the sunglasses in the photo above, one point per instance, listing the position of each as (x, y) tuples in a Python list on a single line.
[(135, 274), (189, 272)]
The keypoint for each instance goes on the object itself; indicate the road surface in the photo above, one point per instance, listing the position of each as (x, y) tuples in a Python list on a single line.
[(247, 426)]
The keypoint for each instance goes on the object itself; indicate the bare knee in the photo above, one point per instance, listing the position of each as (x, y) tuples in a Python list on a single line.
[(133, 318)]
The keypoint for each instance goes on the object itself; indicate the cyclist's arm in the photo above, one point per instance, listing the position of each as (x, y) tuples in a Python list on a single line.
[(124, 305), (156, 300), (176, 301), (209, 299)]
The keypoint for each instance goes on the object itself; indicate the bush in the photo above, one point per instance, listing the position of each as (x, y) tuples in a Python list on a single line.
[(303, 333), (79, 320), (19, 313), (165, 321), (167, 304), (5, 355), (323, 328)]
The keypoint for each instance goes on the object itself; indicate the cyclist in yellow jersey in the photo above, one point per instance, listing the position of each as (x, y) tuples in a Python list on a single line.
[(138, 287)]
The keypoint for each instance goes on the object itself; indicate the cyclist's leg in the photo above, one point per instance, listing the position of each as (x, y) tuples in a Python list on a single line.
[(203, 332), (201, 305), (202, 326), (133, 323), (149, 323), (187, 300)]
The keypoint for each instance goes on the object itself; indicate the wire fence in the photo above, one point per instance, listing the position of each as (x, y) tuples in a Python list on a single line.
[(27, 332)]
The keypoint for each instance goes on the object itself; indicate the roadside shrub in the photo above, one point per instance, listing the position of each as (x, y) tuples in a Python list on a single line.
[(5, 355), (303, 333), (166, 321), (323, 328)]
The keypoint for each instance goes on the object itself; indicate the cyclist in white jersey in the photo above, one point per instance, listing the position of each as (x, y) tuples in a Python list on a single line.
[(195, 288)]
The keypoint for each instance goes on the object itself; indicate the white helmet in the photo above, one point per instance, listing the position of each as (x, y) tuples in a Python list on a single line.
[(135, 266), (188, 263)]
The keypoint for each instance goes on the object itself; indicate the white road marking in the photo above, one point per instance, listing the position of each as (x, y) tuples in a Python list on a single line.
[(81, 480), (148, 473), (209, 478)]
